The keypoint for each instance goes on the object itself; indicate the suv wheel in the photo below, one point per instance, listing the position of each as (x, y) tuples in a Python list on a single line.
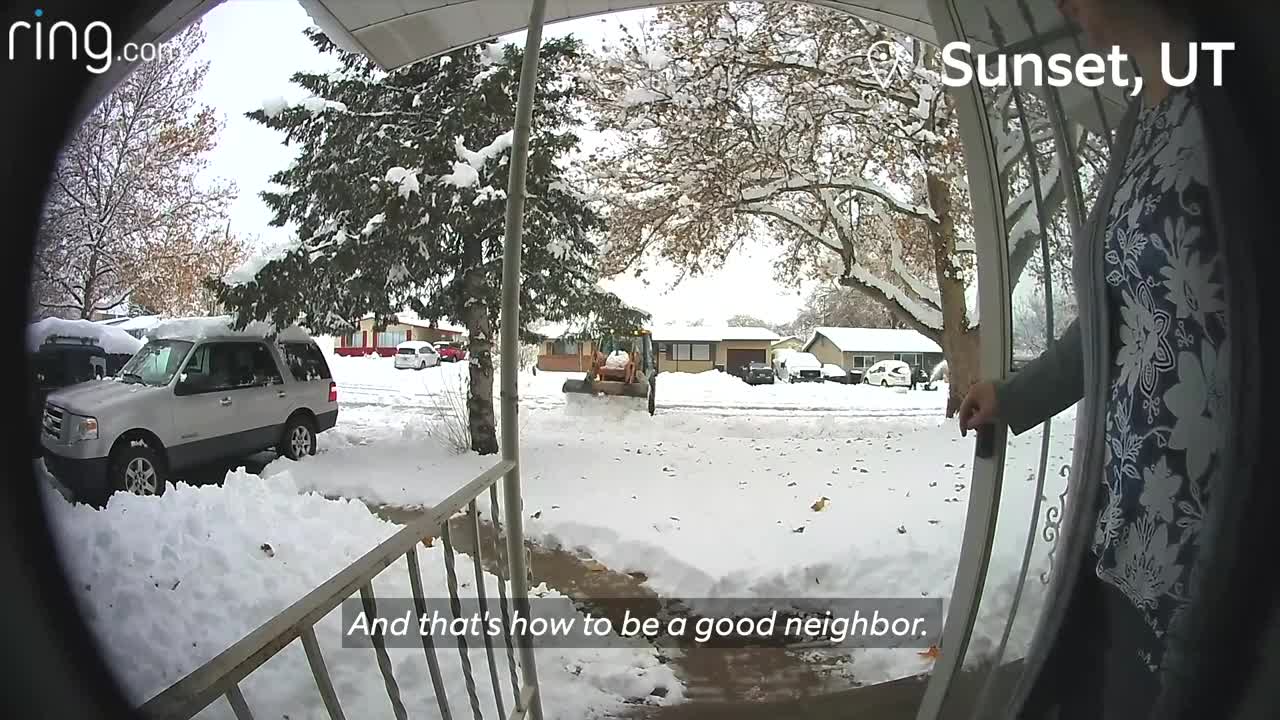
[(137, 469), (299, 438)]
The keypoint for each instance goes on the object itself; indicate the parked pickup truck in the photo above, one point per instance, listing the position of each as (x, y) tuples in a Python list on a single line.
[(182, 402)]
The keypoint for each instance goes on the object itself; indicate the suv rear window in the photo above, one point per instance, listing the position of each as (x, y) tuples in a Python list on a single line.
[(305, 361), (406, 351)]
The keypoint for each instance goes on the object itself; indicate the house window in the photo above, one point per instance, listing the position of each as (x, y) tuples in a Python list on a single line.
[(564, 347), (861, 362), (912, 359), (355, 339), (390, 338), (691, 351)]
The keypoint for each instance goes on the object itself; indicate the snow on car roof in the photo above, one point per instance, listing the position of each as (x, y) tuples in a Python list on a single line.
[(415, 344), (113, 340), (197, 328)]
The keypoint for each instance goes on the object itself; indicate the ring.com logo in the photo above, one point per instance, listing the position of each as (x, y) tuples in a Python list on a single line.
[(95, 42)]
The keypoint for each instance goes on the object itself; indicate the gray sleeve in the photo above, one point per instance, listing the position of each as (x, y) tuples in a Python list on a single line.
[(1048, 385)]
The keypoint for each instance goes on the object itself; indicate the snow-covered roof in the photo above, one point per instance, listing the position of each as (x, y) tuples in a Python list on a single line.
[(111, 339), (395, 34), (410, 318), (875, 340), (712, 333), (419, 322), (194, 328), (785, 338)]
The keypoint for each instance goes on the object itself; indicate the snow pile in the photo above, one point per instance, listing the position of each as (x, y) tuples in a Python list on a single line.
[(220, 561), (247, 271), (477, 159), (617, 360), (275, 105), (463, 175), (406, 179), (112, 339), (194, 328), (639, 96)]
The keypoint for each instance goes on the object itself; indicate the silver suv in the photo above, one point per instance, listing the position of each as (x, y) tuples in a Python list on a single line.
[(184, 402)]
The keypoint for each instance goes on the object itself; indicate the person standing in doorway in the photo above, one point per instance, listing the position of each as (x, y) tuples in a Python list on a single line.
[(1148, 359)]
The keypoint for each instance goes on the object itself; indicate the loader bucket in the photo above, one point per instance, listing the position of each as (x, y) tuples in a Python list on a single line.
[(583, 393)]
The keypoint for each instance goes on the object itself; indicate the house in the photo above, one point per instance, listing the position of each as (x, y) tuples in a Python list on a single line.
[(696, 349), (372, 339), (860, 348), (557, 353), (790, 342)]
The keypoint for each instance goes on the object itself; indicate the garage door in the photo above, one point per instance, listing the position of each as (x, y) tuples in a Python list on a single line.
[(736, 360)]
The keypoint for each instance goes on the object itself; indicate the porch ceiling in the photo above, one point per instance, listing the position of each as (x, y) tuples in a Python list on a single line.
[(395, 33)]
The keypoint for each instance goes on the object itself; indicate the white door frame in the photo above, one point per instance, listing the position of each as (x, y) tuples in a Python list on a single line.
[(990, 233)]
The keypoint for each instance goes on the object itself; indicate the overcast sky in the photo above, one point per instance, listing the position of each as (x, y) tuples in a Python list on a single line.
[(255, 45)]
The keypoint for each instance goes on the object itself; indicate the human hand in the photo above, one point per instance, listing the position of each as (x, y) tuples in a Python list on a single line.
[(979, 407)]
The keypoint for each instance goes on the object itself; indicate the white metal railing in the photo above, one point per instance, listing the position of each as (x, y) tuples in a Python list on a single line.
[(221, 676)]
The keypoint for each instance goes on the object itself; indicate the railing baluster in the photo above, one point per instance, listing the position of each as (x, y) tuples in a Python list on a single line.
[(456, 606), (321, 673), (482, 603), (238, 704), (503, 572), (428, 644), (380, 649)]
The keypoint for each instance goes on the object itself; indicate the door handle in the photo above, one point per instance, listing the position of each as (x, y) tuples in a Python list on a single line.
[(985, 446), (225, 402), (281, 393)]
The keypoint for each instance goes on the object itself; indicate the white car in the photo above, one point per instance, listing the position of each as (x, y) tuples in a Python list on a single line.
[(888, 373), (416, 354), (801, 367), (835, 373)]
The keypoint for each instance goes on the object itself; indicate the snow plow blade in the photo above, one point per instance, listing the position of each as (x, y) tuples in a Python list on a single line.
[(607, 387)]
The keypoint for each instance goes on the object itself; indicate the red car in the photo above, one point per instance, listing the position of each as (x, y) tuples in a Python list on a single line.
[(450, 352)]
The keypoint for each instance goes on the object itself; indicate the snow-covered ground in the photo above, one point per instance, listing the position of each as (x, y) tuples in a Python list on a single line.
[(714, 497), (167, 583)]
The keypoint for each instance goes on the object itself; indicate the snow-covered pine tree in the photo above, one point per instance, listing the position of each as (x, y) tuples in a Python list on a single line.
[(398, 195)]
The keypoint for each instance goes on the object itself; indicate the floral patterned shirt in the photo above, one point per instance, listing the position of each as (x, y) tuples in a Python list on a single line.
[(1165, 298)]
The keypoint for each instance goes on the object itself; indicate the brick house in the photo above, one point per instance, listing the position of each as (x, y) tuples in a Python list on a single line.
[(373, 339)]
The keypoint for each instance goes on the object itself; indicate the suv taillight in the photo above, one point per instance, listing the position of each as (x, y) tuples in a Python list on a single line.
[(333, 391)]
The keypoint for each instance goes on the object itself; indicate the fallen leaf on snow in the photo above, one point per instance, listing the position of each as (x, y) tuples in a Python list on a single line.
[(821, 504), (266, 548)]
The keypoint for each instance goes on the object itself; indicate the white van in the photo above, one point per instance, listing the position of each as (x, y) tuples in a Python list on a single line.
[(416, 354)]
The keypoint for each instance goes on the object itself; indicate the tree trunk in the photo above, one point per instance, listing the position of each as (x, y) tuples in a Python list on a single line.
[(481, 420), (963, 365), (959, 341)]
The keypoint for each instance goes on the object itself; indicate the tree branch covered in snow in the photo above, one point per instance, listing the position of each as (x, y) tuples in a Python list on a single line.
[(408, 210)]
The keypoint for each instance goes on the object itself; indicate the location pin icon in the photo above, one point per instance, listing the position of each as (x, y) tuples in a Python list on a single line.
[(883, 61)]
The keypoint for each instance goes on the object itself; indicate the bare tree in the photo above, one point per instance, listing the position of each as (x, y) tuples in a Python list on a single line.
[(737, 120), (177, 284), (834, 305), (125, 206)]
